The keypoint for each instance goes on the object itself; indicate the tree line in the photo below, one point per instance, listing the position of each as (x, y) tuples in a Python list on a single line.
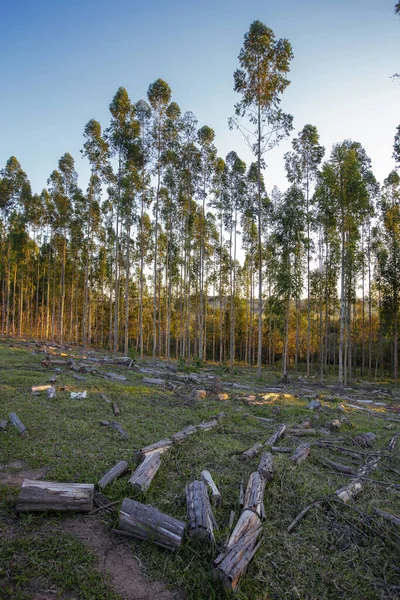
[(174, 251)]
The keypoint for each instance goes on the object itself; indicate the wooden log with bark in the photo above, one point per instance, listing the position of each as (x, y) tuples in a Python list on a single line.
[(254, 497), (145, 522), (300, 432), (282, 449), (181, 436), (277, 435), (201, 519), (39, 496), (300, 454), (158, 447), (208, 425), (215, 494), (354, 487), (146, 471), (16, 421), (251, 452), (117, 471), (233, 561), (266, 466)]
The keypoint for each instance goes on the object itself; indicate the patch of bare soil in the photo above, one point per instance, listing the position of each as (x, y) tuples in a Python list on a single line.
[(13, 473), (125, 570)]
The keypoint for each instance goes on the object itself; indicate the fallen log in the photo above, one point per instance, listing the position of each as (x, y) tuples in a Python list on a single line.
[(242, 545), (3, 424), (145, 522), (300, 454), (145, 473), (338, 466), (115, 376), (300, 432), (208, 425), (355, 486), (266, 467), (120, 429), (283, 449), (39, 496), (16, 421), (279, 433), (254, 497), (118, 470), (389, 517), (181, 436), (115, 409), (215, 494), (251, 452), (365, 440), (157, 447), (199, 513)]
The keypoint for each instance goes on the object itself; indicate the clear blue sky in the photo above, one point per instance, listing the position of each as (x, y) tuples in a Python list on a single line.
[(62, 62)]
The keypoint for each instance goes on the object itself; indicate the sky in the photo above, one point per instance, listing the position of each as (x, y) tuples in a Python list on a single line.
[(62, 62)]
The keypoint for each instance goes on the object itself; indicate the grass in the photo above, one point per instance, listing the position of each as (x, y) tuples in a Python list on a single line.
[(331, 554)]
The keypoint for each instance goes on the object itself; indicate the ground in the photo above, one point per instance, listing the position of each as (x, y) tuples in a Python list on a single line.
[(336, 551)]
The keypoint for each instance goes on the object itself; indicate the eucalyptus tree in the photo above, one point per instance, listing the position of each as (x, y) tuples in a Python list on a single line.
[(143, 114), (261, 80), (122, 135), (389, 261), (302, 168), (96, 150), (289, 221), (208, 155), (236, 201), (396, 147), (159, 96), (344, 179)]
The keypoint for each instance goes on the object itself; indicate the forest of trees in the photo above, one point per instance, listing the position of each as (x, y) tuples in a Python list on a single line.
[(174, 251)]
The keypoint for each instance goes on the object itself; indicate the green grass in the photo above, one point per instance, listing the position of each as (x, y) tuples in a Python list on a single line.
[(330, 554)]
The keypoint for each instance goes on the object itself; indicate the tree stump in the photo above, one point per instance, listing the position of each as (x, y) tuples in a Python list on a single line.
[(39, 496), (146, 471), (199, 513), (145, 522), (118, 470)]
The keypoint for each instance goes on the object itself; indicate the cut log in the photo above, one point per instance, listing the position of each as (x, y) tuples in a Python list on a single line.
[(215, 494), (266, 467), (115, 376), (118, 470), (16, 421), (283, 449), (251, 452), (355, 486), (242, 545), (389, 517), (116, 410), (365, 440), (145, 522), (181, 436), (254, 497), (280, 432), (208, 425), (51, 393), (120, 429), (152, 381), (40, 388), (39, 496), (145, 473), (300, 432), (338, 466), (159, 447), (300, 454), (199, 513), (3, 424)]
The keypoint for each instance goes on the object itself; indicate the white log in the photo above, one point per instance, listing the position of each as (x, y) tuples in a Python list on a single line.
[(39, 496)]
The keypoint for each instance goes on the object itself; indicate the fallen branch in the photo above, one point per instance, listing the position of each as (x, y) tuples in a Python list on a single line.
[(118, 470)]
